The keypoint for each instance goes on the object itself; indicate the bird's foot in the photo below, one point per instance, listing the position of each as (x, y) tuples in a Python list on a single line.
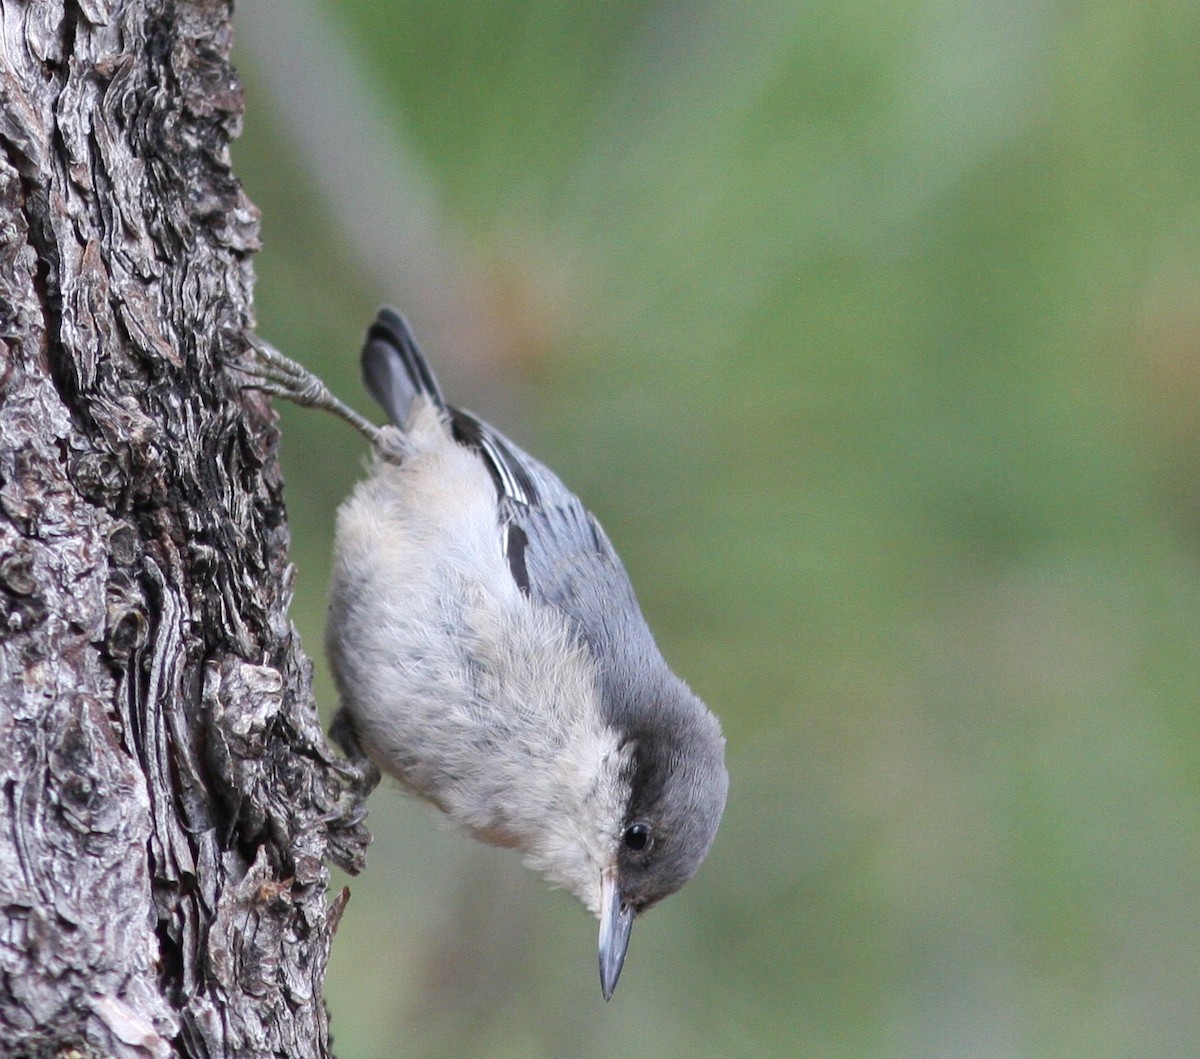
[(272, 372)]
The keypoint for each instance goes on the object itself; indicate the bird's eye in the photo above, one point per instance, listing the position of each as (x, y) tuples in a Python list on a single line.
[(637, 837)]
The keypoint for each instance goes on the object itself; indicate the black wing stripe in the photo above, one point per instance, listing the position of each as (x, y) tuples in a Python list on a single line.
[(514, 486), (514, 541), (510, 484), (513, 481)]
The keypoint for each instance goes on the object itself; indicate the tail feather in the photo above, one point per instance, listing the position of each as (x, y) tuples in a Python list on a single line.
[(394, 368)]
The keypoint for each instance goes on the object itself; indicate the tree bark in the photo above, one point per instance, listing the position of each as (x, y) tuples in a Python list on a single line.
[(168, 799)]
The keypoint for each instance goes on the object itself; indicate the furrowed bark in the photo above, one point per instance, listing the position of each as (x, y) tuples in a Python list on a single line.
[(169, 802)]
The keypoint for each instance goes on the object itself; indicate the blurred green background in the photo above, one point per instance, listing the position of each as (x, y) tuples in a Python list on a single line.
[(871, 332)]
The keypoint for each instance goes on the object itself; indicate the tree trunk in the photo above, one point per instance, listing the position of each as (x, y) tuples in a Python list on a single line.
[(169, 801)]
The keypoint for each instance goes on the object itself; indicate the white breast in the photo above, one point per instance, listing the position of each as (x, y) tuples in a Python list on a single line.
[(469, 693)]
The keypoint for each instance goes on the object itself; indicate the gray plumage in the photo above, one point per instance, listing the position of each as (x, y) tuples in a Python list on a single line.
[(491, 655)]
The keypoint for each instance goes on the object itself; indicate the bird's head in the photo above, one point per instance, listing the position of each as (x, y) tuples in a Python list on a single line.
[(675, 788), (627, 811)]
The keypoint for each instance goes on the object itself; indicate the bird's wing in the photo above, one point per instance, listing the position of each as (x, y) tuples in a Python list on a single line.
[(556, 550)]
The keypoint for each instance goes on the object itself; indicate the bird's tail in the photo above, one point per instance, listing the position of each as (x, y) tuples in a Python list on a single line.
[(394, 368)]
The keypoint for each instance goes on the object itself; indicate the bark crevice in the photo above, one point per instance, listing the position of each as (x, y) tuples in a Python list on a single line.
[(170, 801)]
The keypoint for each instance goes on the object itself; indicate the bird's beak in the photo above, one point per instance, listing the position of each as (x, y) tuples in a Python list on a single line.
[(616, 921)]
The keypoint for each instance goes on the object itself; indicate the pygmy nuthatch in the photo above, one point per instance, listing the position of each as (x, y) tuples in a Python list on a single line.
[(490, 653)]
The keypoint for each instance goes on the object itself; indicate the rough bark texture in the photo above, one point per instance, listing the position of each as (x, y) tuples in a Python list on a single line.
[(168, 799)]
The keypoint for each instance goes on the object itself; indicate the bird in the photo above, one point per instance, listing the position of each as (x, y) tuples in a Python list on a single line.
[(490, 653)]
